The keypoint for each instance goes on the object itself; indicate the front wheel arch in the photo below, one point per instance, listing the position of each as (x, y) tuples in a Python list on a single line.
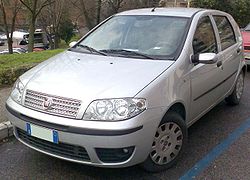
[(179, 108), (170, 117)]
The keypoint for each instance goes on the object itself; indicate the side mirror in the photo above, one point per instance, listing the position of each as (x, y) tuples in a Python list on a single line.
[(72, 44), (204, 58)]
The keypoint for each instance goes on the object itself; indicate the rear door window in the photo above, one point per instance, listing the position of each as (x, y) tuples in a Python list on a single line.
[(226, 32)]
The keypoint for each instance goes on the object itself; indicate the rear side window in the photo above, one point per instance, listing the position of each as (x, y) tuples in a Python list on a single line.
[(204, 38), (226, 31)]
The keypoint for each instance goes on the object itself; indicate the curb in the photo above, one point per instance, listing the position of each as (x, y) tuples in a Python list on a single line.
[(6, 130)]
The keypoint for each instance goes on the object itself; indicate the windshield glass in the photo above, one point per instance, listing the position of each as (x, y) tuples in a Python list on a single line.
[(247, 28), (155, 36)]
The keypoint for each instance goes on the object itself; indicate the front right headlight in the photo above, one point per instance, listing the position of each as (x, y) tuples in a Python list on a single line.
[(114, 109), (17, 91)]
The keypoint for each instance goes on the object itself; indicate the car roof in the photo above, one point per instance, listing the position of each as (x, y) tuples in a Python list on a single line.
[(179, 12)]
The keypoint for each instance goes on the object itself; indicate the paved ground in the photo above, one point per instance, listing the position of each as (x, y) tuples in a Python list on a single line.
[(235, 160), (20, 162), (4, 93)]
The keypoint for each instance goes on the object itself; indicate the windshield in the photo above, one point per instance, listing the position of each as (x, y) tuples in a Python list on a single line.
[(149, 36), (247, 28)]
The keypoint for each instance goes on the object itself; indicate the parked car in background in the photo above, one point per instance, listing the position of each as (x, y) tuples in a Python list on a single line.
[(40, 40), (127, 92), (15, 51), (246, 43), (18, 35), (2, 42), (3, 37)]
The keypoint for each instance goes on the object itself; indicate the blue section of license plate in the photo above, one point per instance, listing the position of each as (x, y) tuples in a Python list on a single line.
[(28, 128), (42, 133), (55, 137)]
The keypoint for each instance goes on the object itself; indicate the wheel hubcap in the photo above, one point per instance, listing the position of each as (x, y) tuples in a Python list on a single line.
[(239, 86), (167, 143)]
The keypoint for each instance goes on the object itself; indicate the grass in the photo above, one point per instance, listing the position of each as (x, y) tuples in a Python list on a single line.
[(17, 60)]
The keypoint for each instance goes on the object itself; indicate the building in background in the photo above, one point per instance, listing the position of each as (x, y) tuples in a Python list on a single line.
[(174, 3)]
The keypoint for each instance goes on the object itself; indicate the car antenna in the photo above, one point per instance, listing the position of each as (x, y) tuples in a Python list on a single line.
[(153, 10)]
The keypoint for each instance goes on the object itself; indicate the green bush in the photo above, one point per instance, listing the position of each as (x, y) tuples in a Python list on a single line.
[(14, 65), (76, 37), (9, 76)]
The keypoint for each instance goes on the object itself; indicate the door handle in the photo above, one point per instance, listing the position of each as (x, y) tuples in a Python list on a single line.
[(219, 63), (239, 50)]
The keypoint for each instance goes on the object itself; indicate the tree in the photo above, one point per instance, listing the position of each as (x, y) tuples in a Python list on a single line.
[(34, 7), (14, 6), (88, 10), (66, 30), (98, 16), (115, 5), (239, 9), (51, 18)]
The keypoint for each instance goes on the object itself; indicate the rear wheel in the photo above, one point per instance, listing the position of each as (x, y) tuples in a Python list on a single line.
[(169, 141), (235, 97)]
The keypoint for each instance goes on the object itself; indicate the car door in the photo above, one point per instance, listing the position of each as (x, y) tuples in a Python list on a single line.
[(230, 49), (205, 78)]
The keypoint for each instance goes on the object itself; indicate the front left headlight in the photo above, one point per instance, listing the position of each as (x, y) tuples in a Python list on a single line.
[(114, 109), (17, 91)]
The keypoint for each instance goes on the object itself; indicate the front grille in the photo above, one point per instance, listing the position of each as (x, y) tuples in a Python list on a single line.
[(246, 47), (61, 149), (58, 106)]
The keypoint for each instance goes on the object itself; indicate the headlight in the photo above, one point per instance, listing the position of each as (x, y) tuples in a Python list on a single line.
[(114, 109), (17, 91)]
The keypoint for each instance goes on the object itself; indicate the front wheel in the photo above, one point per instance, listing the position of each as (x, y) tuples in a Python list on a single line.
[(169, 141), (234, 98)]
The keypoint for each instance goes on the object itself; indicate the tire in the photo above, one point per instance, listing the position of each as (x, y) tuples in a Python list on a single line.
[(169, 141), (235, 97)]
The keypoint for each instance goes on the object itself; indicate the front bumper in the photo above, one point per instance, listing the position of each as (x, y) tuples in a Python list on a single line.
[(91, 138)]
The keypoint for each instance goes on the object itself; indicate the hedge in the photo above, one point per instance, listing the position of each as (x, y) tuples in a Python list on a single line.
[(14, 65), (9, 76)]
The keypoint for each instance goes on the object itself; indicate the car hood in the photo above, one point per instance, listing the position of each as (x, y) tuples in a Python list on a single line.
[(88, 77)]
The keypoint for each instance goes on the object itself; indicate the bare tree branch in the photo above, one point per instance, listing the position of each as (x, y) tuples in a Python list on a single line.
[(46, 3), (9, 31), (26, 5)]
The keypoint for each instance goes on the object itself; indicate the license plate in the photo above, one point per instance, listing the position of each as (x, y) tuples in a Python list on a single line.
[(42, 133)]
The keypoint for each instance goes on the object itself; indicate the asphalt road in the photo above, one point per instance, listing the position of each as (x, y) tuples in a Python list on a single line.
[(20, 162)]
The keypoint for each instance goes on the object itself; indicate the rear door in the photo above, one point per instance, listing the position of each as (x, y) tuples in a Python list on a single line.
[(230, 48)]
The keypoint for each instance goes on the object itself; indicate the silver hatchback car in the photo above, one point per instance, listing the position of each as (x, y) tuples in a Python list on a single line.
[(126, 93)]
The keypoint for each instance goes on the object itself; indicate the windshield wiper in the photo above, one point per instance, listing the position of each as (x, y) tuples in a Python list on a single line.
[(90, 49), (126, 52)]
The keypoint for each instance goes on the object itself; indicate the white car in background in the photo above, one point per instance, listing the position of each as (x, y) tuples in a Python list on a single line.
[(15, 51), (2, 42)]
